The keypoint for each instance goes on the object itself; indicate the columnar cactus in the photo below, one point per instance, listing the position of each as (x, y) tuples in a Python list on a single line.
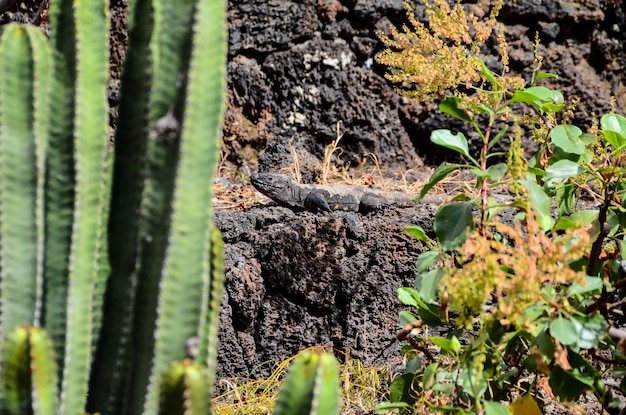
[(119, 264)]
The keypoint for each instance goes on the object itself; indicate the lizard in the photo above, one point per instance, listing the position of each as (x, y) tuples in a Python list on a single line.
[(327, 198)]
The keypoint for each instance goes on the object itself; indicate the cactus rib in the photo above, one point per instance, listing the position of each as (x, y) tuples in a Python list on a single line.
[(24, 87), (111, 362), (91, 128), (180, 305)]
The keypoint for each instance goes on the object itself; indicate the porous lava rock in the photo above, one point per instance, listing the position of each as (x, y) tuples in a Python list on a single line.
[(299, 279)]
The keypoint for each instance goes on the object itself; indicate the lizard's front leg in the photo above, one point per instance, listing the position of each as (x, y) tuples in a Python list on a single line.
[(316, 202)]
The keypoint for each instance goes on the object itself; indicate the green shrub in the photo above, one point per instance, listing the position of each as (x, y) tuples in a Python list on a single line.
[(527, 295)]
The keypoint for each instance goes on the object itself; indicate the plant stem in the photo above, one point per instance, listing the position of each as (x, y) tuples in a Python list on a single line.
[(483, 166)]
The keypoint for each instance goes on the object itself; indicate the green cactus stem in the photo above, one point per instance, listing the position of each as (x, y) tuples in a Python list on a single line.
[(29, 374), (25, 68), (311, 386), (185, 389)]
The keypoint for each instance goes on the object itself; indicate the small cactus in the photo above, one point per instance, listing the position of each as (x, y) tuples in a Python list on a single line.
[(311, 386), (185, 389), (29, 374)]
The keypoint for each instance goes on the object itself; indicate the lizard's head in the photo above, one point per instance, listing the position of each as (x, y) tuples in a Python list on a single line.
[(276, 186)]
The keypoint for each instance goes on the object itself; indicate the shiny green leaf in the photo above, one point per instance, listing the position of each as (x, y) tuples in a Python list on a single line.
[(450, 106), (563, 169), (564, 330), (614, 130), (540, 203), (456, 142), (452, 221), (567, 138), (418, 233)]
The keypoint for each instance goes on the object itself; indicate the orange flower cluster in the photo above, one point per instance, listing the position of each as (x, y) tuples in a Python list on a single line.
[(514, 270), (441, 56)]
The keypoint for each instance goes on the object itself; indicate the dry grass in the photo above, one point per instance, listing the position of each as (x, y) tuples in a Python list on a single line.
[(369, 173), (362, 388)]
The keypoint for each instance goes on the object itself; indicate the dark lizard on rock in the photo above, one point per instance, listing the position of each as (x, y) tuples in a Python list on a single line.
[(284, 191)]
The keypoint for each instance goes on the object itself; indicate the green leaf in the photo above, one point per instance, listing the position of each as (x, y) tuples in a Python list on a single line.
[(614, 130), (408, 296), (472, 381), (418, 233), (406, 317), (580, 332), (480, 108), (494, 173), (438, 175), (404, 389), (591, 284), (456, 142), (413, 365), (452, 222), (545, 344), (497, 137), (427, 312), (426, 260), (590, 330), (563, 169), (429, 378), (451, 346), (567, 138), (390, 406), (450, 106), (564, 330), (545, 75), (428, 284), (540, 97), (577, 219), (569, 384), (540, 203), (497, 171), (495, 408), (430, 314), (533, 95), (566, 199), (488, 74), (551, 107)]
